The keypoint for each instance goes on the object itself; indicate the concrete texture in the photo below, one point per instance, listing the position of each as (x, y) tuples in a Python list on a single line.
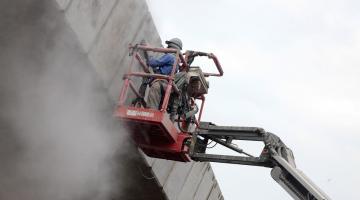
[(81, 40), (56, 122), (63, 3), (120, 30), (87, 18)]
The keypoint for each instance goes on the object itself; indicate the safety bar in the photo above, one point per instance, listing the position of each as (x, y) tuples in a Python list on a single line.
[(142, 63), (169, 50), (217, 64), (209, 55), (157, 76), (134, 89), (161, 50), (140, 74)]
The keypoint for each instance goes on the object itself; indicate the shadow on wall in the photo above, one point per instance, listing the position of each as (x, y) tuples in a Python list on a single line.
[(58, 139)]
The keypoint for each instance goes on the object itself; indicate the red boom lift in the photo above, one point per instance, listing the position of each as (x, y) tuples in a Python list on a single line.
[(186, 138)]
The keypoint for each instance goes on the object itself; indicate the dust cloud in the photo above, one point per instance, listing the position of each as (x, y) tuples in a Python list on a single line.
[(57, 136)]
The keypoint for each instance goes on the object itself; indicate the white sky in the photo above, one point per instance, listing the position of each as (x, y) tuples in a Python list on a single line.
[(292, 68)]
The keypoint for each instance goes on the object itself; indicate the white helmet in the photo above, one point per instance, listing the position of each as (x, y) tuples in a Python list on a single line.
[(175, 43)]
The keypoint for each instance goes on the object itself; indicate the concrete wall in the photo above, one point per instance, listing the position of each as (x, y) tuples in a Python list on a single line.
[(56, 117), (104, 29)]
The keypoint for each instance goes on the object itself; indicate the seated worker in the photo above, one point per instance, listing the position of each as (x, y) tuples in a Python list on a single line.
[(162, 65)]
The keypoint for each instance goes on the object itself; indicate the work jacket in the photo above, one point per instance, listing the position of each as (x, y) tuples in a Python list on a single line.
[(164, 64)]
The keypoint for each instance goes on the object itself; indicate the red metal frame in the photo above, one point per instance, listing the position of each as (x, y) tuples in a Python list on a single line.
[(217, 64), (152, 130), (170, 79)]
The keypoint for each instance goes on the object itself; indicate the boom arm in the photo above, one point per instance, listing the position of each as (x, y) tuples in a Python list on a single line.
[(161, 139), (275, 155)]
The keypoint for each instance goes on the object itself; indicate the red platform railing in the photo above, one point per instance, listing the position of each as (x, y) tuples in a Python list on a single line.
[(147, 73), (180, 61)]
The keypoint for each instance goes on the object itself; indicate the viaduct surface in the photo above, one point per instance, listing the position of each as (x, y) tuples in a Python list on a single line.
[(62, 63)]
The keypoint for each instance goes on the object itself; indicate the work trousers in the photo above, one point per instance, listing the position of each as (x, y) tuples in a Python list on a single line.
[(156, 91)]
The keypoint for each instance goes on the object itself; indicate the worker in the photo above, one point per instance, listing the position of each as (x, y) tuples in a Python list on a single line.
[(162, 65)]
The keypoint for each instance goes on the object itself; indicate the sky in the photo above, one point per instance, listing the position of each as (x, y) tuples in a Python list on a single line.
[(292, 68)]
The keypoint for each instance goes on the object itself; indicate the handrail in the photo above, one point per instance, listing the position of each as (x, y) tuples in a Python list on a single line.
[(217, 64), (140, 74), (142, 63), (134, 89), (171, 86), (193, 54), (161, 50)]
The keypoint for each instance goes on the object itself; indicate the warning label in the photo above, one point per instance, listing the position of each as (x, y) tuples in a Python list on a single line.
[(139, 113)]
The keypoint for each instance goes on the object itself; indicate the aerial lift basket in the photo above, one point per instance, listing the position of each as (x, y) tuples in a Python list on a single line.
[(151, 129)]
